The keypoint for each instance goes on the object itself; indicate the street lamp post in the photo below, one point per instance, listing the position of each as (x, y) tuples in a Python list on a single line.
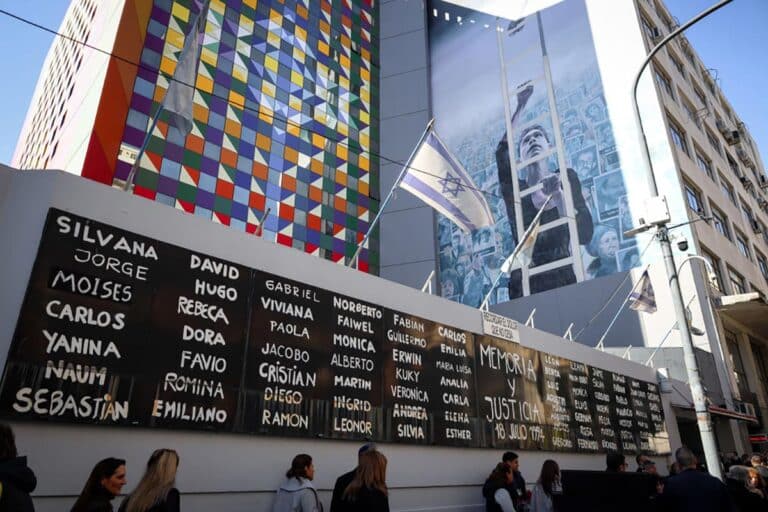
[(662, 235)]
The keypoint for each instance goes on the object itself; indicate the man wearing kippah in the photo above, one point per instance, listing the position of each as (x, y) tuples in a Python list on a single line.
[(344, 480)]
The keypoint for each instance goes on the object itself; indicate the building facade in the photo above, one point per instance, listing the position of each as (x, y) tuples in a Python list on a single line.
[(561, 73), (285, 114)]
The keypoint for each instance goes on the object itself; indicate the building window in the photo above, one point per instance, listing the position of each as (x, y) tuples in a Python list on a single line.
[(716, 267), (704, 164), (718, 220), (727, 188), (748, 215), (694, 199), (664, 82), (733, 165), (760, 355), (702, 97), (650, 30), (737, 363), (678, 137), (691, 113), (737, 281), (678, 64), (762, 263), (741, 243), (714, 143)]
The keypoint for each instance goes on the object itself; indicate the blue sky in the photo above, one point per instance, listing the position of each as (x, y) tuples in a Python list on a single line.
[(731, 41)]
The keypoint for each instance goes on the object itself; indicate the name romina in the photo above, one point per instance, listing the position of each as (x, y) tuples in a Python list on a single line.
[(120, 329)]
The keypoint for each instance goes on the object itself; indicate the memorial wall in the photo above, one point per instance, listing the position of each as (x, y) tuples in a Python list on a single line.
[(120, 329)]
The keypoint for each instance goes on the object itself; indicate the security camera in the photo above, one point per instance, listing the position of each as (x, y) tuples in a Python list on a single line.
[(682, 243)]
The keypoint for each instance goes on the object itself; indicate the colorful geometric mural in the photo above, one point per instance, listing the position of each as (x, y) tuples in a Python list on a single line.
[(285, 119)]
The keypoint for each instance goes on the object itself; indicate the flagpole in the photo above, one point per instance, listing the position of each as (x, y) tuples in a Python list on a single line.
[(600, 345), (142, 150), (353, 260), (194, 32), (511, 259)]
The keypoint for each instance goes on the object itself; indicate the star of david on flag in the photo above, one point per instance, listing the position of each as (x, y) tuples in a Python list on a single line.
[(643, 298), (436, 177)]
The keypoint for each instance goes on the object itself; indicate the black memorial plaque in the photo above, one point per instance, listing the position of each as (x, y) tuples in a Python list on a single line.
[(287, 377), (585, 411), (639, 399), (449, 374), (197, 333), (407, 396), (511, 406), (623, 414), (81, 341), (354, 360), (601, 398)]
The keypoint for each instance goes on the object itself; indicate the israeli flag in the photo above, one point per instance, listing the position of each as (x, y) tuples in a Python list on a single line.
[(643, 298), (436, 177)]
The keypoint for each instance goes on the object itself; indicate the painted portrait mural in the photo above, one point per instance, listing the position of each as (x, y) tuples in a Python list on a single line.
[(520, 103)]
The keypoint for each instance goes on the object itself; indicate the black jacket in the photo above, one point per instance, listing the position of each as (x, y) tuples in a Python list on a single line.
[(743, 499), (368, 500), (695, 491), (101, 501), (18, 481), (172, 503), (338, 490)]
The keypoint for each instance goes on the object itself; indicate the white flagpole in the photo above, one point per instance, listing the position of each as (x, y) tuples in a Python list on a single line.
[(509, 261), (616, 316), (353, 260)]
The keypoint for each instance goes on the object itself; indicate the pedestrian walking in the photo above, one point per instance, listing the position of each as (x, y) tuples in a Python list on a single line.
[(496, 490), (344, 480), (517, 488), (367, 492), (104, 483), (156, 491), (745, 499), (296, 493), (547, 485), (17, 480), (692, 490)]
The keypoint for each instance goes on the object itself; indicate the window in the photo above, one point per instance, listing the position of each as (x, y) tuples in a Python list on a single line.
[(737, 363), (737, 282), (700, 95), (649, 28), (727, 188), (691, 113), (694, 199), (677, 63), (718, 220), (714, 143), (664, 82), (678, 137), (716, 267), (762, 263), (733, 165), (704, 164), (760, 355), (748, 215), (741, 243)]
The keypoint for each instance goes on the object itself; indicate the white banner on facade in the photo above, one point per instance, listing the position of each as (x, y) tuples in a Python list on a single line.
[(500, 327)]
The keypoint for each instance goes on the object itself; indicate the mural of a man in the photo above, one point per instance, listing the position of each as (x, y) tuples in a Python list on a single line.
[(554, 243)]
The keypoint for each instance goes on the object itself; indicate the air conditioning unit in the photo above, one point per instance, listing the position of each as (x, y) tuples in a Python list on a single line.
[(721, 126), (746, 182), (732, 137), (763, 182), (755, 227)]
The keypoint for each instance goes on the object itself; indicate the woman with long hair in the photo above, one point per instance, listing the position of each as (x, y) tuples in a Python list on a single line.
[(495, 490), (297, 494), (18, 481), (105, 482), (156, 492), (367, 492), (548, 484)]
